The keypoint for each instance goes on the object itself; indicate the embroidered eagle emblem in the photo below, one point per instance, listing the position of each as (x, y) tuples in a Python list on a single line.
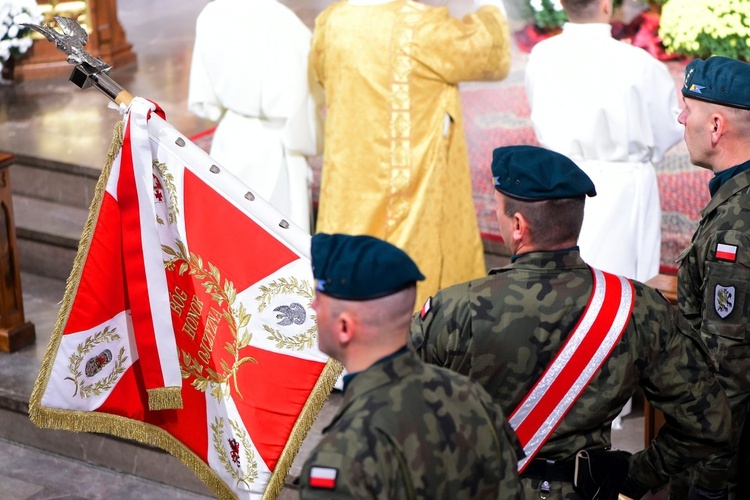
[(724, 300)]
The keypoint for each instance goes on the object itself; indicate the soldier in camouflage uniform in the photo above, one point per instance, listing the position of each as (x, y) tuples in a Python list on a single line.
[(405, 429), (504, 330), (714, 275)]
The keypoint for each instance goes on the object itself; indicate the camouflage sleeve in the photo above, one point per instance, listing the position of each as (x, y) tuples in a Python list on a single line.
[(676, 379), (441, 331), (726, 289), (714, 277), (362, 465), (690, 279), (509, 448)]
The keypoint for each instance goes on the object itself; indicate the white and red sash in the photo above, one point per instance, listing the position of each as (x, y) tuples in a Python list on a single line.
[(588, 346)]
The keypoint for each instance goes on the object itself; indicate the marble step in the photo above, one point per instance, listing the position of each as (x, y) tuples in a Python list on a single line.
[(63, 183), (50, 206), (47, 235), (31, 473), (100, 450)]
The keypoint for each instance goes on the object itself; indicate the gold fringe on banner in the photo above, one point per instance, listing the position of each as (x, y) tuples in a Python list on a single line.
[(162, 398), (84, 421), (80, 421), (74, 280), (307, 416), (165, 398)]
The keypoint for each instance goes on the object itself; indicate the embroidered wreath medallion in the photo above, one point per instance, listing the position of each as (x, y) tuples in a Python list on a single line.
[(95, 364), (233, 463), (291, 314)]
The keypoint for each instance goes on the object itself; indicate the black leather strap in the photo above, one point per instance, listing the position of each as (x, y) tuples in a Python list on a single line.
[(550, 470)]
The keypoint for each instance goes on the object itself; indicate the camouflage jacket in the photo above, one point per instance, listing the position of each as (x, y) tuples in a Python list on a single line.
[(406, 429), (713, 293), (713, 287), (503, 331)]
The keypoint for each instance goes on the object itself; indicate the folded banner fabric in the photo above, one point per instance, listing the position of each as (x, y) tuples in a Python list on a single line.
[(187, 321)]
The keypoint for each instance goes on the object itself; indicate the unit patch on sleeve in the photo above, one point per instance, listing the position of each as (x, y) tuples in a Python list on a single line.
[(724, 300), (726, 252), (323, 477)]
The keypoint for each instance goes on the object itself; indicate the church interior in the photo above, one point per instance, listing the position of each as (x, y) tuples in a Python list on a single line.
[(58, 136)]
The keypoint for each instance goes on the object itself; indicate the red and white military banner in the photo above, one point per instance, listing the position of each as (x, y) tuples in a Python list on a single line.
[(187, 320)]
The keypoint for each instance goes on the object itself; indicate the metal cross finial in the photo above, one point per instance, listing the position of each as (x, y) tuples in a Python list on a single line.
[(89, 70)]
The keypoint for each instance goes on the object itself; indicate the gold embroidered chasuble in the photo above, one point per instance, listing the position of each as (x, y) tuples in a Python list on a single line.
[(395, 162)]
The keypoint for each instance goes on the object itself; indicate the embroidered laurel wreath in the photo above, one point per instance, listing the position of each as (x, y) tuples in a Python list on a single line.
[(237, 319), (250, 474), (84, 390), (168, 179), (287, 286)]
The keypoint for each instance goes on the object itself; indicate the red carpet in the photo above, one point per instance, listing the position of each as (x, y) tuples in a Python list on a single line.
[(497, 114)]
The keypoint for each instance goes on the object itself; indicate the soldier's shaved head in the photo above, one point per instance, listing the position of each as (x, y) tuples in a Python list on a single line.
[(381, 321), (553, 224), (392, 311), (359, 332)]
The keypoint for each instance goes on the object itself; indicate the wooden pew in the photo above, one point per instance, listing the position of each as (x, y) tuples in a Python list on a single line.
[(15, 331)]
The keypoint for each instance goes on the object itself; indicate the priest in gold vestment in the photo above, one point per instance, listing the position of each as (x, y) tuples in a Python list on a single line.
[(395, 161)]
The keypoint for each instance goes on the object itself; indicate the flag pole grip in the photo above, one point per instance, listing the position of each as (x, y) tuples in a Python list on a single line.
[(124, 97)]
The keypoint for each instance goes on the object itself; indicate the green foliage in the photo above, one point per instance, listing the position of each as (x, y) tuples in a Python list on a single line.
[(702, 28), (547, 14)]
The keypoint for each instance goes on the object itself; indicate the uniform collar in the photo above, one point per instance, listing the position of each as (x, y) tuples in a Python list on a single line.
[(350, 376), (721, 177), (553, 260), (738, 181), (382, 373)]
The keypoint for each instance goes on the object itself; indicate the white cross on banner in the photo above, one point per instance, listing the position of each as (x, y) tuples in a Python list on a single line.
[(187, 320)]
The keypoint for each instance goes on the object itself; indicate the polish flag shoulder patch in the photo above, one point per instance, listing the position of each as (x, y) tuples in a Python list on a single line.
[(425, 308), (726, 252), (323, 477)]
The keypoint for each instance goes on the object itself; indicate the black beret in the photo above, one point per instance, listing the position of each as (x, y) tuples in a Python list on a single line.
[(533, 173), (360, 267), (720, 80)]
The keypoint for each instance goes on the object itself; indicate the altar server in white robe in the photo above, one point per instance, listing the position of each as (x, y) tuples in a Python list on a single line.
[(249, 73), (612, 108)]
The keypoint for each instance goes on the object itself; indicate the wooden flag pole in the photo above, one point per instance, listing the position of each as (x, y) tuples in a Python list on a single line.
[(124, 97)]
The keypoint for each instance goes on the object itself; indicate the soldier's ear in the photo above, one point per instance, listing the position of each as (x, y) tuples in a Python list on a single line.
[(520, 227), (345, 328), (718, 127)]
